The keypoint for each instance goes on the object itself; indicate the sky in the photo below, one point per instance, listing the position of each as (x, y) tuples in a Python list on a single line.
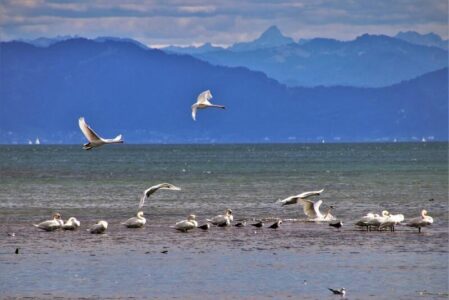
[(222, 22)]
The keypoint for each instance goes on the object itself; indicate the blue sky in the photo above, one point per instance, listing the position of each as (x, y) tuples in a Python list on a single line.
[(222, 22)]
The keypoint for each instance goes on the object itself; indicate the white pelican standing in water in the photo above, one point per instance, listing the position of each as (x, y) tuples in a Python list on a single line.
[(51, 225), (136, 222), (187, 225), (162, 186), (71, 224), (421, 221), (295, 199), (203, 102), (94, 139), (222, 220), (312, 211), (99, 228)]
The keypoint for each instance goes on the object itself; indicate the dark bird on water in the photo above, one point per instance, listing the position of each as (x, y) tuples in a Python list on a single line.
[(258, 224), (17, 251), (205, 226), (336, 224), (164, 251), (276, 224), (341, 291), (240, 224)]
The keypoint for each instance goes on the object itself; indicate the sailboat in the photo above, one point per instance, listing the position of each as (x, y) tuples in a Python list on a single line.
[(30, 142), (37, 142)]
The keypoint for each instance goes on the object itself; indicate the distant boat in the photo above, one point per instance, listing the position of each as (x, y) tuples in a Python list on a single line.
[(37, 142), (395, 140), (423, 140), (30, 142), (323, 141)]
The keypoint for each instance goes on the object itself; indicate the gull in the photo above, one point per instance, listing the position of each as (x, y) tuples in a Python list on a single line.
[(51, 225), (71, 224), (204, 226), (203, 102), (421, 221), (341, 291), (241, 224), (276, 224), (187, 225), (312, 210), (94, 139), (295, 199), (153, 189), (336, 224), (136, 222), (99, 228), (222, 220)]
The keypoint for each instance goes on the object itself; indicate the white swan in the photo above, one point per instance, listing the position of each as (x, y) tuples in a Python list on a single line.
[(364, 221), (94, 139), (71, 224), (187, 225), (203, 102), (421, 221), (378, 220), (153, 189), (136, 222), (294, 199), (51, 225), (222, 220), (99, 228), (312, 211), (391, 221)]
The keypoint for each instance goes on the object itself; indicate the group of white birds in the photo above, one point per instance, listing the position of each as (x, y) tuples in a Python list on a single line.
[(202, 102), (311, 210)]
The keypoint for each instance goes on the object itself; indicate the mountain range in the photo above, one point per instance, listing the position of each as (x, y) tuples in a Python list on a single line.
[(146, 94), (367, 61)]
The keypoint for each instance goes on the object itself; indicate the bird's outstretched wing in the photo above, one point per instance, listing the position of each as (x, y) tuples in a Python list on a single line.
[(153, 189), (194, 107), (88, 132), (309, 194), (309, 208), (204, 97)]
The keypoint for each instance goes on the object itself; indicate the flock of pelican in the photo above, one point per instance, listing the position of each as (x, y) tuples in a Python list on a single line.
[(311, 209)]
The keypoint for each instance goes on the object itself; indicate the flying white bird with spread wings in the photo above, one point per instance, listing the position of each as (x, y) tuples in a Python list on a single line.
[(295, 199), (312, 210), (94, 139), (162, 186), (203, 102)]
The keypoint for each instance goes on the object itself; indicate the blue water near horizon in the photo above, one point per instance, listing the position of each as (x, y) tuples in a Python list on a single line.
[(106, 183)]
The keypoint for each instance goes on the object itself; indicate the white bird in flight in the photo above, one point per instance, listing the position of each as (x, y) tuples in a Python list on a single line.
[(312, 210), (203, 102), (294, 199), (94, 139), (153, 189)]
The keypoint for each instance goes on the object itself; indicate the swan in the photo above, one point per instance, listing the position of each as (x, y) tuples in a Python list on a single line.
[(94, 139), (136, 222), (312, 211), (203, 102), (378, 220), (363, 222), (391, 221), (294, 199), (187, 225), (98, 228), (222, 220), (162, 186), (421, 221), (51, 225), (71, 224)]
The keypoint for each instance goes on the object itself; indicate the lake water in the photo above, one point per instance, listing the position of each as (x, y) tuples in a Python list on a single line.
[(298, 261)]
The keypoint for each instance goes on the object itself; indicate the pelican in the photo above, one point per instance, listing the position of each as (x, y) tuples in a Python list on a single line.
[(391, 221), (51, 225), (421, 221), (187, 225), (71, 224), (136, 222), (203, 102), (153, 189), (98, 228), (94, 139), (222, 220), (295, 199), (312, 211)]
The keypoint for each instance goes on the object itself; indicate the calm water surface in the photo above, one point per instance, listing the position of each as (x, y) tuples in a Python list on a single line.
[(106, 183)]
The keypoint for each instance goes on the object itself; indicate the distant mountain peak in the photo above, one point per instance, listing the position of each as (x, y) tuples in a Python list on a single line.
[(429, 39), (272, 37)]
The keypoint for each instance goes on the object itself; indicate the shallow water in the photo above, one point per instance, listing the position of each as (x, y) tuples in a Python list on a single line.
[(106, 183)]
